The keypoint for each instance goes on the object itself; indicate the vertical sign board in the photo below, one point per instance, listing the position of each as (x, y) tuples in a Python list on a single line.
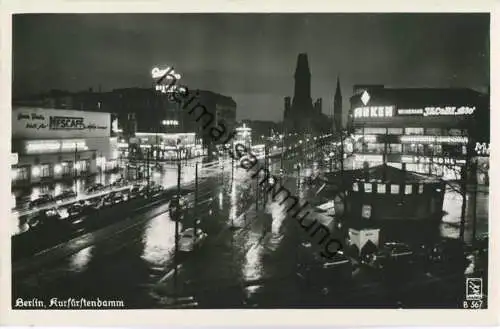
[(366, 211)]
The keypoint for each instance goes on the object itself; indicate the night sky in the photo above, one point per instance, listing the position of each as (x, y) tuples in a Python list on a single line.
[(250, 57)]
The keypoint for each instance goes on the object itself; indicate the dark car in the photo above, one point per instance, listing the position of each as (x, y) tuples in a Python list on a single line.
[(119, 182), (322, 271), (45, 217), (65, 195), (391, 253), (76, 209), (41, 200), (95, 188), (177, 207), (113, 198), (137, 191)]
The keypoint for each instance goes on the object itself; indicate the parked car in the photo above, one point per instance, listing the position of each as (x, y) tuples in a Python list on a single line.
[(113, 198), (319, 270), (65, 195), (95, 188), (76, 209), (119, 182), (137, 191), (41, 201), (188, 240), (389, 254)]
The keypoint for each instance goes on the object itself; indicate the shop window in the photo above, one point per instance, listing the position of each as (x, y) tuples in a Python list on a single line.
[(414, 131), (381, 188), (368, 187), (355, 187), (45, 171), (66, 168), (394, 148), (395, 131), (434, 131), (420, 189), (373, 131), (394, 189), (375, 148), (23, 173), (408, 189)]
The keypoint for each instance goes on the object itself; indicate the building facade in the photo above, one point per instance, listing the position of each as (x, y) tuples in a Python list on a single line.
[(430, 131), (52, 144)]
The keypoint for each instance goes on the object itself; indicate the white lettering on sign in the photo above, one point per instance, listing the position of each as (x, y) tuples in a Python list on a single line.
[(368, 158), (449, 110), (434, 139), (373, 112), (482, 148), (410, 111), (168, 73), (437, 160), (54, 146)]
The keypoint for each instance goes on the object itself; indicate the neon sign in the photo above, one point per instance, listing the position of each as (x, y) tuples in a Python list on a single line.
[(374, 112), (482, 148), (434, 139), (54, 146), (448, 110), (168, 73), (424, 159)]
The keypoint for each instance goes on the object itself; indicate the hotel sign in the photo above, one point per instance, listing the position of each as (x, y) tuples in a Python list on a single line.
[(374, 112), (438, 111)]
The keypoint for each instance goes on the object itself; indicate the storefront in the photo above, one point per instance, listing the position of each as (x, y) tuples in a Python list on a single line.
[(163, 146), (56, 144), (429, 131)]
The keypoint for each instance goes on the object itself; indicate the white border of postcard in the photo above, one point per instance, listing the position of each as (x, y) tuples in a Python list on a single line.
[(143, 318)]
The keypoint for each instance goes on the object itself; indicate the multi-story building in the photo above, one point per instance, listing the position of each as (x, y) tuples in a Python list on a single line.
[(52, 144), (431, 131)]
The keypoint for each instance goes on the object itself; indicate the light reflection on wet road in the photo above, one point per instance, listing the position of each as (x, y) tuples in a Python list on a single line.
[(254, 266)]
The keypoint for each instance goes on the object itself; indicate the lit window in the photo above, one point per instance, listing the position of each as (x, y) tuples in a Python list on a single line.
[(420, 189), (408, 189), (355, 187), (368, 187), (381, 188), (394, 189)]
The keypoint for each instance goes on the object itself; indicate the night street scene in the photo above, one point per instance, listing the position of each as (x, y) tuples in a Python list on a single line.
[(250, 161)]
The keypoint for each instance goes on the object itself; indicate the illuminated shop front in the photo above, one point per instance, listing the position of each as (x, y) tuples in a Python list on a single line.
[(56, 144), (429, 131), (166, 146)]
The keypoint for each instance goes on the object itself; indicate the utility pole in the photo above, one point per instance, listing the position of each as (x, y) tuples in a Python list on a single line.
[(195, 225), (474, 201), (176, 249), (75, 171)]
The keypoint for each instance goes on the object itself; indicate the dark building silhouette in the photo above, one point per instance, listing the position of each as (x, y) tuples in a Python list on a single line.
[(298, 118), (318, 106), (337, 107)]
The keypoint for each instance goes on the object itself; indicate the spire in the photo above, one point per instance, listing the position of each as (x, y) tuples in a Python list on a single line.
[(302, 66), (338, 93)]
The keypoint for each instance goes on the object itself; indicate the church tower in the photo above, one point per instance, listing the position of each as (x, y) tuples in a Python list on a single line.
[(337, 107)]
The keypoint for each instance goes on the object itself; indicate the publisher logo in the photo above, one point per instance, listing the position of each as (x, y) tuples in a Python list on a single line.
[(474, 289)]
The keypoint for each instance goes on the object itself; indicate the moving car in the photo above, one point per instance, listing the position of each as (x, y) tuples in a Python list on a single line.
[(113, 198), (188, 240), (177, 207), (41, 200), (319, 270)]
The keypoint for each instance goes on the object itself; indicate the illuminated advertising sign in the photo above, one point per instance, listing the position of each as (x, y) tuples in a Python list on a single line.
[(54, 146), (374, 111), (165, 80), (415, 139), (436, 160), (40, 123), (438, 111), (482, 148), (368, 158)]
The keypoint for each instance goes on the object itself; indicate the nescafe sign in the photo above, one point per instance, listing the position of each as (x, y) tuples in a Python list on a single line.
[(66, 123)]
